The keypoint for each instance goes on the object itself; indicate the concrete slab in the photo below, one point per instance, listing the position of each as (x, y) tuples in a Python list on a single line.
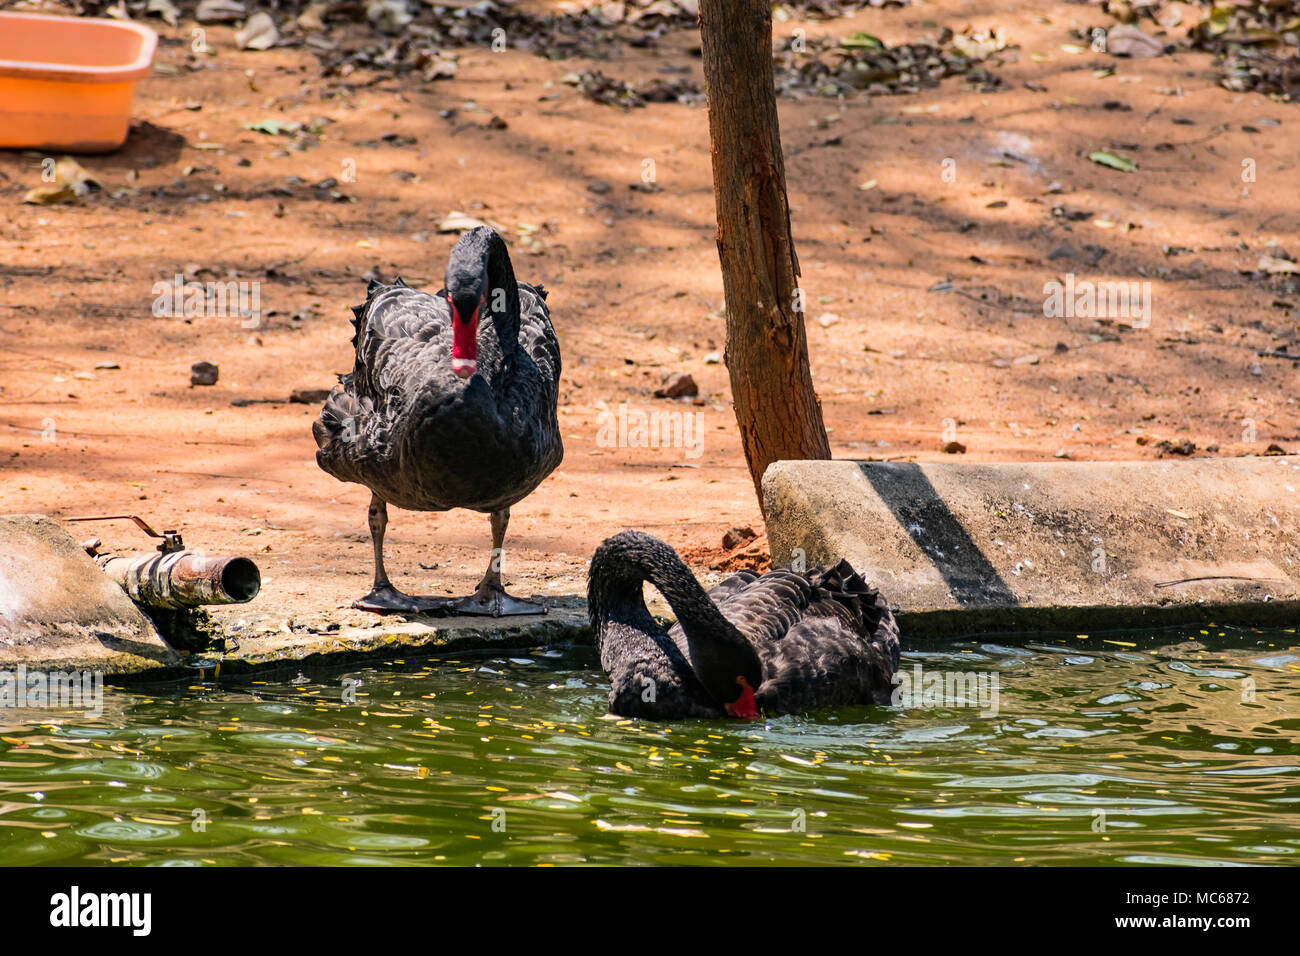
[(59, 611), (974, 548), (264, 643)]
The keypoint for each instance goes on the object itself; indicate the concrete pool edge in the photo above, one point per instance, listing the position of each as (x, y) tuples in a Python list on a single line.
[(1050, 544), (943, 624), (1029, 551), (289, 649), (293, 651)]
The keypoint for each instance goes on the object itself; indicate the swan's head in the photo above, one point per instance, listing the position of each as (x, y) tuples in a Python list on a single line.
[(466, 302), (730, 673), (744, 706), (466, 285)]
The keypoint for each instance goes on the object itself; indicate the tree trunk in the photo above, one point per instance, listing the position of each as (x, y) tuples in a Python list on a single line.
[(777, 409)]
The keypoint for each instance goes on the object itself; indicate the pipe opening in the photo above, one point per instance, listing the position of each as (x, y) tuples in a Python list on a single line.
[(241, 580)]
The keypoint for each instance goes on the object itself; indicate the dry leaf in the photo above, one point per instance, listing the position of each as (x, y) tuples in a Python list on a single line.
[(165, 9), (71, 182), (981, 45), (1276, 266), (313, 18), (388, 16), (220, 11), (459, 222), (259, 33), (1125, 40)]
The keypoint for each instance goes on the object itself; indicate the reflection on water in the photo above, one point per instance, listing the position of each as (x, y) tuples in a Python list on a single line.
[(1156, 749)]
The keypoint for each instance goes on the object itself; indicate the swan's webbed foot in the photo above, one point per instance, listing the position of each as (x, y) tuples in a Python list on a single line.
[(494, 602), (389, 600)]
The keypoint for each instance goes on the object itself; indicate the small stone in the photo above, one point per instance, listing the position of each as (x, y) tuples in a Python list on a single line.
[(953, 448), (220, 11), (738, 536), (1182, 447), (713, 358), (1094, 253), (1275, 449), (599, 187), (203, 373), (308, 396), (1026, 360), (389, 16), (677, 385)]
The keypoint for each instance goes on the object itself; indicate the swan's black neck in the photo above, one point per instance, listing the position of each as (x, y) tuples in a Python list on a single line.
[(719, 653), (479, 268)]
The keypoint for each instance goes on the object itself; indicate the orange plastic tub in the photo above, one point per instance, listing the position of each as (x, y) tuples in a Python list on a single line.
[(66, 82)]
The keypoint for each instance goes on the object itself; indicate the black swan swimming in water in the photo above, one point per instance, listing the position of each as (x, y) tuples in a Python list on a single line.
[(451, 404), (778, 643)]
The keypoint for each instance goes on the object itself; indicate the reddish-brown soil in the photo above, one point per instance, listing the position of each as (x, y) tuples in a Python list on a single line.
[(635, 289)]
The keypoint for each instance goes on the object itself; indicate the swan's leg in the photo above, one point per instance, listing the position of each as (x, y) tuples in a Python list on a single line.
[(491, 598), (383, 597)]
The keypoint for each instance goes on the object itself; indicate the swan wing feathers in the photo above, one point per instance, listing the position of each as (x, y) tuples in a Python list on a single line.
[(536, 334), (843, 650), (398, 331), (827, 639), (820, 662), (349, 436), (731, 585), (767, 607), (868, 610)]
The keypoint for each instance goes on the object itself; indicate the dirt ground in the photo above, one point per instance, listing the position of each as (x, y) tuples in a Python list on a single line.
[(991, 192)]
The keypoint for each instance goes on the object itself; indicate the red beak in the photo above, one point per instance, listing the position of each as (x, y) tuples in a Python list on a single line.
[(745, 707), (464, 342)]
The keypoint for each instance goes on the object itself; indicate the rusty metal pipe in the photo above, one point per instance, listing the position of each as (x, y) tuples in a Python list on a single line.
[(180, 579)]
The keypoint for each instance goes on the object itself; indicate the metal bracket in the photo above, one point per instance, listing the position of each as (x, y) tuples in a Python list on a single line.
[(171, 540)]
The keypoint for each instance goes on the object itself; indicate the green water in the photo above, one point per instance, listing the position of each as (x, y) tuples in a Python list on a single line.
[(495, 759)]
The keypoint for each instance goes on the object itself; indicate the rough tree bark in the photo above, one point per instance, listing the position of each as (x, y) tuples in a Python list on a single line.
[(777, 409)]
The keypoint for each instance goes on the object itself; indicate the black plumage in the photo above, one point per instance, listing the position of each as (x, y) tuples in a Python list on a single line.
[(422, 435), (800, 642)]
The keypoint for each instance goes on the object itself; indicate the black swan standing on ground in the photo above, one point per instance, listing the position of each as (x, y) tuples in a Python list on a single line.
[(778, 643), (451, 404)]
